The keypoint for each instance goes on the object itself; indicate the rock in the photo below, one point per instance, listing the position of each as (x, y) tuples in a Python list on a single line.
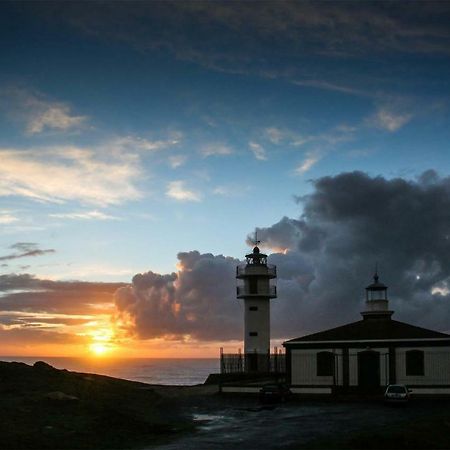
[(61, 396), (41, 365)]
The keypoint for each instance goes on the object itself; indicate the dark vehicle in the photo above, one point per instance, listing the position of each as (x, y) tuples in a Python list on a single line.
[(397, 393), (274, 393)]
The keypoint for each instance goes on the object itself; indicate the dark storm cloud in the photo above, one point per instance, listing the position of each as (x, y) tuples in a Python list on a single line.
[(25, 249), (198, 301), (355, 221), (349, 222)]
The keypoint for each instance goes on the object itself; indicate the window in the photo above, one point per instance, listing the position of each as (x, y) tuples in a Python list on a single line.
[(414, 362), (253, 285), (253, 308), (325, 364), (253, 333)]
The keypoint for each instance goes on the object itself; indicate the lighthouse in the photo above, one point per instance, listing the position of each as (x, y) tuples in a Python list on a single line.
[(256, 286)]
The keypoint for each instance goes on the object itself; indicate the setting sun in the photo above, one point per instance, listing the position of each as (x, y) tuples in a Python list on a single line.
[(98, 349)]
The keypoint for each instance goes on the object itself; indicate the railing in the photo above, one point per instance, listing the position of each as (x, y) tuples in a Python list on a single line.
[(244, 291), (253, 362), (256, 270)]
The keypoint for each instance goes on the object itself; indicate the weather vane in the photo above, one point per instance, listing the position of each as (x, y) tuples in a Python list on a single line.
[(256, 238)]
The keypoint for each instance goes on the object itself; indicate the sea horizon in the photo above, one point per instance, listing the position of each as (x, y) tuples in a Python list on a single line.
[(164, 371)]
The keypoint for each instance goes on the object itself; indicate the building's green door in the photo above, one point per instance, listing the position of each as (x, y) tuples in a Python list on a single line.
[(369, 369)]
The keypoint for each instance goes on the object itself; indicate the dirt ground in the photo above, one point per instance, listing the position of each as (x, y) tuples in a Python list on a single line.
[(46, 408), (244, 423)]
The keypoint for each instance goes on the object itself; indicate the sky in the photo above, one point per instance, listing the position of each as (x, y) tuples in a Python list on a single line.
[(142, 143)]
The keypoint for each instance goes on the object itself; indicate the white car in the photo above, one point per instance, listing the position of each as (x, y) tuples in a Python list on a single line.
[(397, 393)]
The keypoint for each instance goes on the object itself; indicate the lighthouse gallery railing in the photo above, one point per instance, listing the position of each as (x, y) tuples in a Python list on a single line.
[(246, 291), (245, 269)]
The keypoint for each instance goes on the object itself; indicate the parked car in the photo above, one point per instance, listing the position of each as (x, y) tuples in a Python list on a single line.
[(274, 393), (397, 393)]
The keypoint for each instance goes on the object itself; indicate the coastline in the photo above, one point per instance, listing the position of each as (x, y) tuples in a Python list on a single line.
[(164, 371), (47, 408)]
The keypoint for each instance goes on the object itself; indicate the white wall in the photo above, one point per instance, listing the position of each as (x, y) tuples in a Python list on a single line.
[(436, 366), (304, 367), (259, 322)]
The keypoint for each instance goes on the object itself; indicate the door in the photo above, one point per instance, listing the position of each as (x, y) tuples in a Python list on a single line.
[(369, 369), (251, 362)]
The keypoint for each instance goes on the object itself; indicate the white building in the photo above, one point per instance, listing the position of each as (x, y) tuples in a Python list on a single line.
[(370, 354)]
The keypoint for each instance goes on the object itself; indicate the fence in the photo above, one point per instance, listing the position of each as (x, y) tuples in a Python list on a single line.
[(253, 362)]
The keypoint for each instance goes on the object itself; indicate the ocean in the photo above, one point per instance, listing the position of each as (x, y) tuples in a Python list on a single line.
[(169, 371)]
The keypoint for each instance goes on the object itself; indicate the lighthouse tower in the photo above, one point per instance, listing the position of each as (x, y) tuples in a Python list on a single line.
[(256, 287)]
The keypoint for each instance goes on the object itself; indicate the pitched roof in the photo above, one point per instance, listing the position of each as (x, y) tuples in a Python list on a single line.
[(372, 329)]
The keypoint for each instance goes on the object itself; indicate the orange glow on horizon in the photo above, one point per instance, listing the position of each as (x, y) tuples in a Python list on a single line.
[(154, 348)]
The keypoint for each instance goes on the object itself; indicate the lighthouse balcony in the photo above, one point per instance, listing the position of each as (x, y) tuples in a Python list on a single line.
[(246, 291), (260, 270)]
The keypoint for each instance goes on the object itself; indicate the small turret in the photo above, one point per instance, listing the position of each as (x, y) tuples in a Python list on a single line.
[(377, 303)]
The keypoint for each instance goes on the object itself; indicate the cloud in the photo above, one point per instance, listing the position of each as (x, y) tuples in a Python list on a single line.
[(25, 293), (198, 301), (284, 136), (390, 120), (275, 135), (54, 117), (349, 222), (69, 173), (283, 236), (215, 149), (310, 160), (235, 38), (231, 190), (258, 151), (92, 271), (36, 311), (392, 112), (85, 215), (6, 217), (325, 85), (176, 161), (221, 190), (136, 143), (24, 250), (325, 258), (178, 191), (316, 145), (22, 337), (39, 113)]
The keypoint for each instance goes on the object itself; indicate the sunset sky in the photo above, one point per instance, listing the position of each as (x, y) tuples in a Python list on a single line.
[(153, 138)]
